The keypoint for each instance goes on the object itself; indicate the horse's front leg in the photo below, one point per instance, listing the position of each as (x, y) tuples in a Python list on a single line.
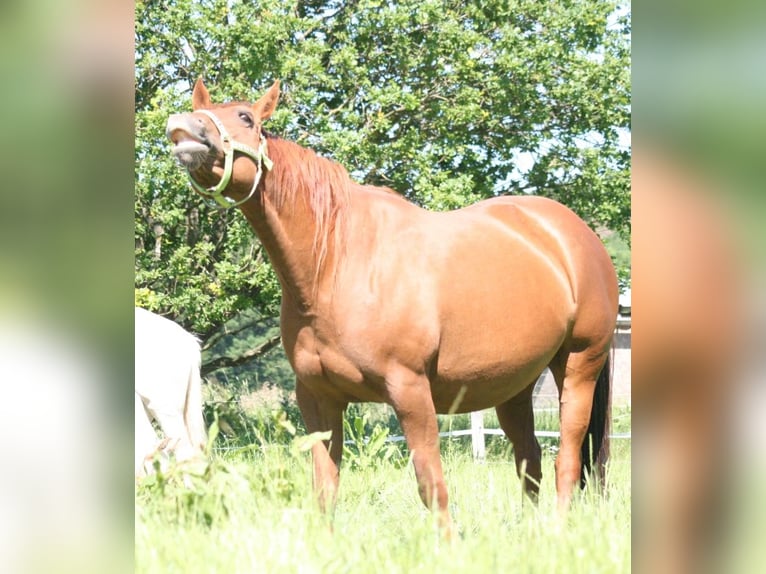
[(322, 415), (410, 396)]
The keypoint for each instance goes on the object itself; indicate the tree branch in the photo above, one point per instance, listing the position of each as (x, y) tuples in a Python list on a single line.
[(222, 362), (223, 331)]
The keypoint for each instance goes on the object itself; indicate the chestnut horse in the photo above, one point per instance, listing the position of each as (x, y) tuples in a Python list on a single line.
[(429, 312)]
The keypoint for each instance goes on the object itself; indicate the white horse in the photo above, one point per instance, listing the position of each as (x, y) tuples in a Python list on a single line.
[(168, 390)]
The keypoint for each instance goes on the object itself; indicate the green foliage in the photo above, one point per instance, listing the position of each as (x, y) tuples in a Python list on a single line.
[(365, 447), (445, 102), (253, 511), (619, 250), (207, 493), (241, 424)]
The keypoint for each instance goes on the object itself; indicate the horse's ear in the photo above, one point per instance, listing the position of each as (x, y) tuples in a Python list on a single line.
[(200, 96), (264, 107)]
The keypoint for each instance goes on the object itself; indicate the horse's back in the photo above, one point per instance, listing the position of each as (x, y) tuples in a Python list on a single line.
[(165, 354)]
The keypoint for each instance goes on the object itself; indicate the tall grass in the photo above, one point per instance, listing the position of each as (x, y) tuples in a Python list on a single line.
[(251, 510)]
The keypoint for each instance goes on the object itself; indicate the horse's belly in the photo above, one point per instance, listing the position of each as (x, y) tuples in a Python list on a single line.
[(485, 362), (475, 388)]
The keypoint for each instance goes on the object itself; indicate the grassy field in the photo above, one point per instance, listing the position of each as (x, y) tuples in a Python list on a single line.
[(251, 510)]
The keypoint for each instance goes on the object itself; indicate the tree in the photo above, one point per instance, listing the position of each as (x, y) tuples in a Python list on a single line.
[(444, 102)]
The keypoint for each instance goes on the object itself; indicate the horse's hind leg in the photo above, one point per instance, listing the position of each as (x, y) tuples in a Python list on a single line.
[(322, 416), (518, 422), (575, 375)]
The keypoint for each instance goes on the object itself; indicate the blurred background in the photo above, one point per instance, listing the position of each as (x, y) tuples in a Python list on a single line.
[(66, 285), (66, 309), (697, 262)]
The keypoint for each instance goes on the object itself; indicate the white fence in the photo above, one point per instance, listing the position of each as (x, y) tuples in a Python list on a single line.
[(477, 433)]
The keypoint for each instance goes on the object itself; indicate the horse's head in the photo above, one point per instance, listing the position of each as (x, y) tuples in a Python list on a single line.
[(222, 146)]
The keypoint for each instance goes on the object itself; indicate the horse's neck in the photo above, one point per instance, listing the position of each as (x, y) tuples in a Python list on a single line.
[(287, 234)]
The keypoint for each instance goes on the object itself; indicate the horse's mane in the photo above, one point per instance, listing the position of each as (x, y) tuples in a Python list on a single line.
[(302, 175)]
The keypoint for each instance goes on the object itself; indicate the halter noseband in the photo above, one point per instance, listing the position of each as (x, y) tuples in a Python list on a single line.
[(229, 146)]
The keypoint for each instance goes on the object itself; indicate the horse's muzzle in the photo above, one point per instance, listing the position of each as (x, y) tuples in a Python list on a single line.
[(188, 135)]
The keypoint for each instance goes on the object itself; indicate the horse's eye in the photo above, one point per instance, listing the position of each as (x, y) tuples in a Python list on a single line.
[(247, 118)]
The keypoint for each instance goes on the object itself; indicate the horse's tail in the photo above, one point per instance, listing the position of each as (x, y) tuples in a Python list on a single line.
[(195, 423), (595, 447)]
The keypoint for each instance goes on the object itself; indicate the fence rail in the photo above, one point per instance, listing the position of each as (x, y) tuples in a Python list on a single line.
[(477, 437), (477, 432), (496, 432)]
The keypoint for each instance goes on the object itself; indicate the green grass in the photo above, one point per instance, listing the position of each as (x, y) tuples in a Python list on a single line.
[(252, 510)]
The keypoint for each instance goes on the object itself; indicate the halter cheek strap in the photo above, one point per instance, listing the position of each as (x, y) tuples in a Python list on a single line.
[(229, 146)]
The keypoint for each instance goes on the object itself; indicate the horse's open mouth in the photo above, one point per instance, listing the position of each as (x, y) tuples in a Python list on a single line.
[(188, 151), (190, 146)]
